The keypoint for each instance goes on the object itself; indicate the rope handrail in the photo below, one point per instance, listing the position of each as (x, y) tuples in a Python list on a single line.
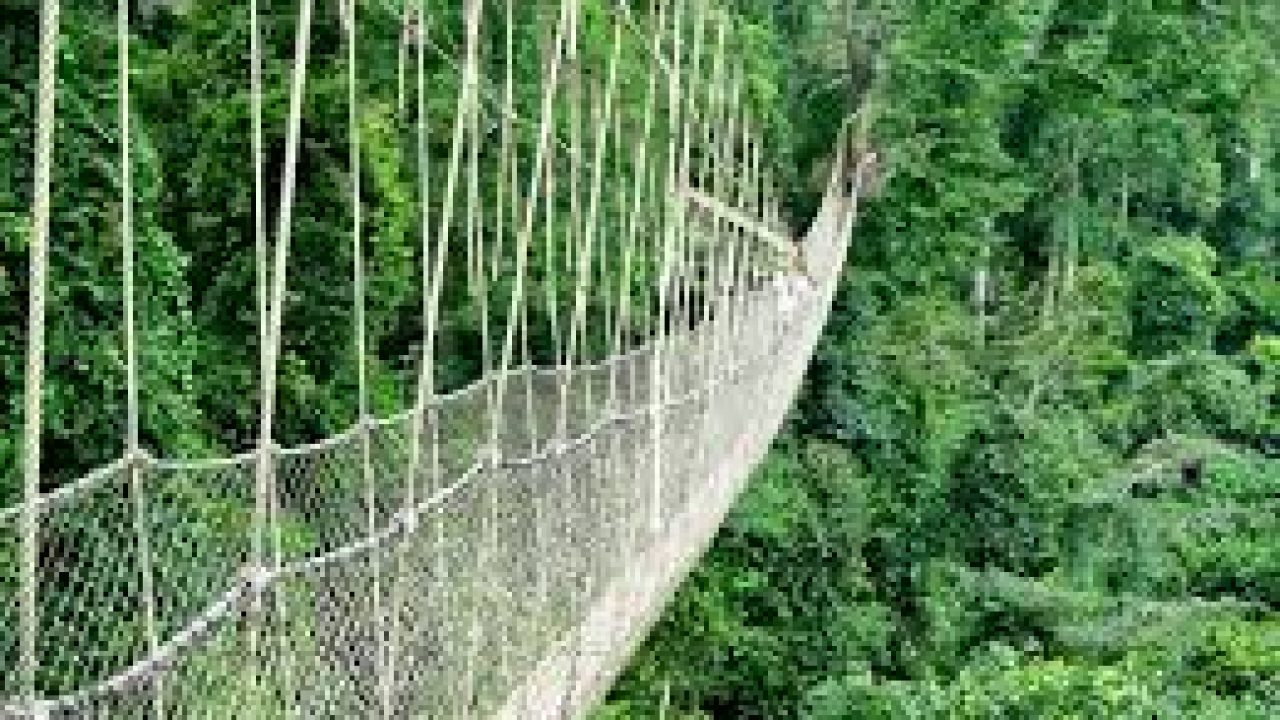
[(99, 475)]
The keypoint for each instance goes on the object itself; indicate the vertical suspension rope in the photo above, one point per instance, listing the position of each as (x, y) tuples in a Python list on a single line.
[(695, 123), (725, 183), (564, 363), (551, 290), (710, 263), (603, 120), (479, 290), (408, 512), (357, 265), (505, 130), (28, 611), (670, 238), (364, 421), (262, 468), (475, 240), (640, 185), (742, 274), (537, 176), (691, 117), (550, 271), (716, 147), (259, 210), (424, 230), (133, 449), (284, 228), (466, 98), (504, 196), (265, 519), (126, 233), (511, 156)]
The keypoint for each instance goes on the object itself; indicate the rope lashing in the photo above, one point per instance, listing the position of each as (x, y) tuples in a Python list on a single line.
[(28, 610)]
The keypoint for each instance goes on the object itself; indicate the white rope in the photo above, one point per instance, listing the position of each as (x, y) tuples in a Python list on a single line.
[(670, 243), (133, 449), (348, 12), (28, 611), (426, 358), (465, 98), (573, 235), (479, 634), (533, 197), (640, 183), (708, 263), (284, 227), (126, 233), (263, 458), (357, 255), (685, 268), (725, 152), (266, 518), (422, 408), (585, 258)]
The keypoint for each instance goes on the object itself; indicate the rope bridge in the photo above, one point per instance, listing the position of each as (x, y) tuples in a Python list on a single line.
[(494, 551)]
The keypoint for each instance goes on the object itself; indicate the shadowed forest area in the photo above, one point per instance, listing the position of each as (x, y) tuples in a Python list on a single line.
[(1034, 472)]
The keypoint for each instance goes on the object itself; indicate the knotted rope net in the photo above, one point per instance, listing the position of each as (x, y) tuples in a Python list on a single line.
[(494, 551)]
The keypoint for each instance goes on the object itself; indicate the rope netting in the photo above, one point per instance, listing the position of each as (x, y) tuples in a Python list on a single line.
[(491, 551)]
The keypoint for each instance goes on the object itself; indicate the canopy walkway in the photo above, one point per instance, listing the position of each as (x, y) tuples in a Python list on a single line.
[(495, 551)]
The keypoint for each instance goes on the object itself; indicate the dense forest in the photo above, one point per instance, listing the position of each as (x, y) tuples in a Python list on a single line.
[(1034, 470)]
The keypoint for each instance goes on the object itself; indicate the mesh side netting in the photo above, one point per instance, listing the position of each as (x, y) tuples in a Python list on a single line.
[(510, 589)]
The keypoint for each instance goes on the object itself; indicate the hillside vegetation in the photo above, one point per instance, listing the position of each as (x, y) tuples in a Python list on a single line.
[(1034, 472)]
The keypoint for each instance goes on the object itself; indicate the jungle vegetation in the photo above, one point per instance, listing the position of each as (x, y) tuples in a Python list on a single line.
[(1034, 472)]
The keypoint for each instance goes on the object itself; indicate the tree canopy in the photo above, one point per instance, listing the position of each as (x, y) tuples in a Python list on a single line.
[(1034, 471)]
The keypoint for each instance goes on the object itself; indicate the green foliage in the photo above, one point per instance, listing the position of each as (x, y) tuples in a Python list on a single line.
[(85, 397), (1051, 370), (1179, 302), (754, 627)]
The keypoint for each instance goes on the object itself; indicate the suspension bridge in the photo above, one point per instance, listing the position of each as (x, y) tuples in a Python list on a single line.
[(495, 551)]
